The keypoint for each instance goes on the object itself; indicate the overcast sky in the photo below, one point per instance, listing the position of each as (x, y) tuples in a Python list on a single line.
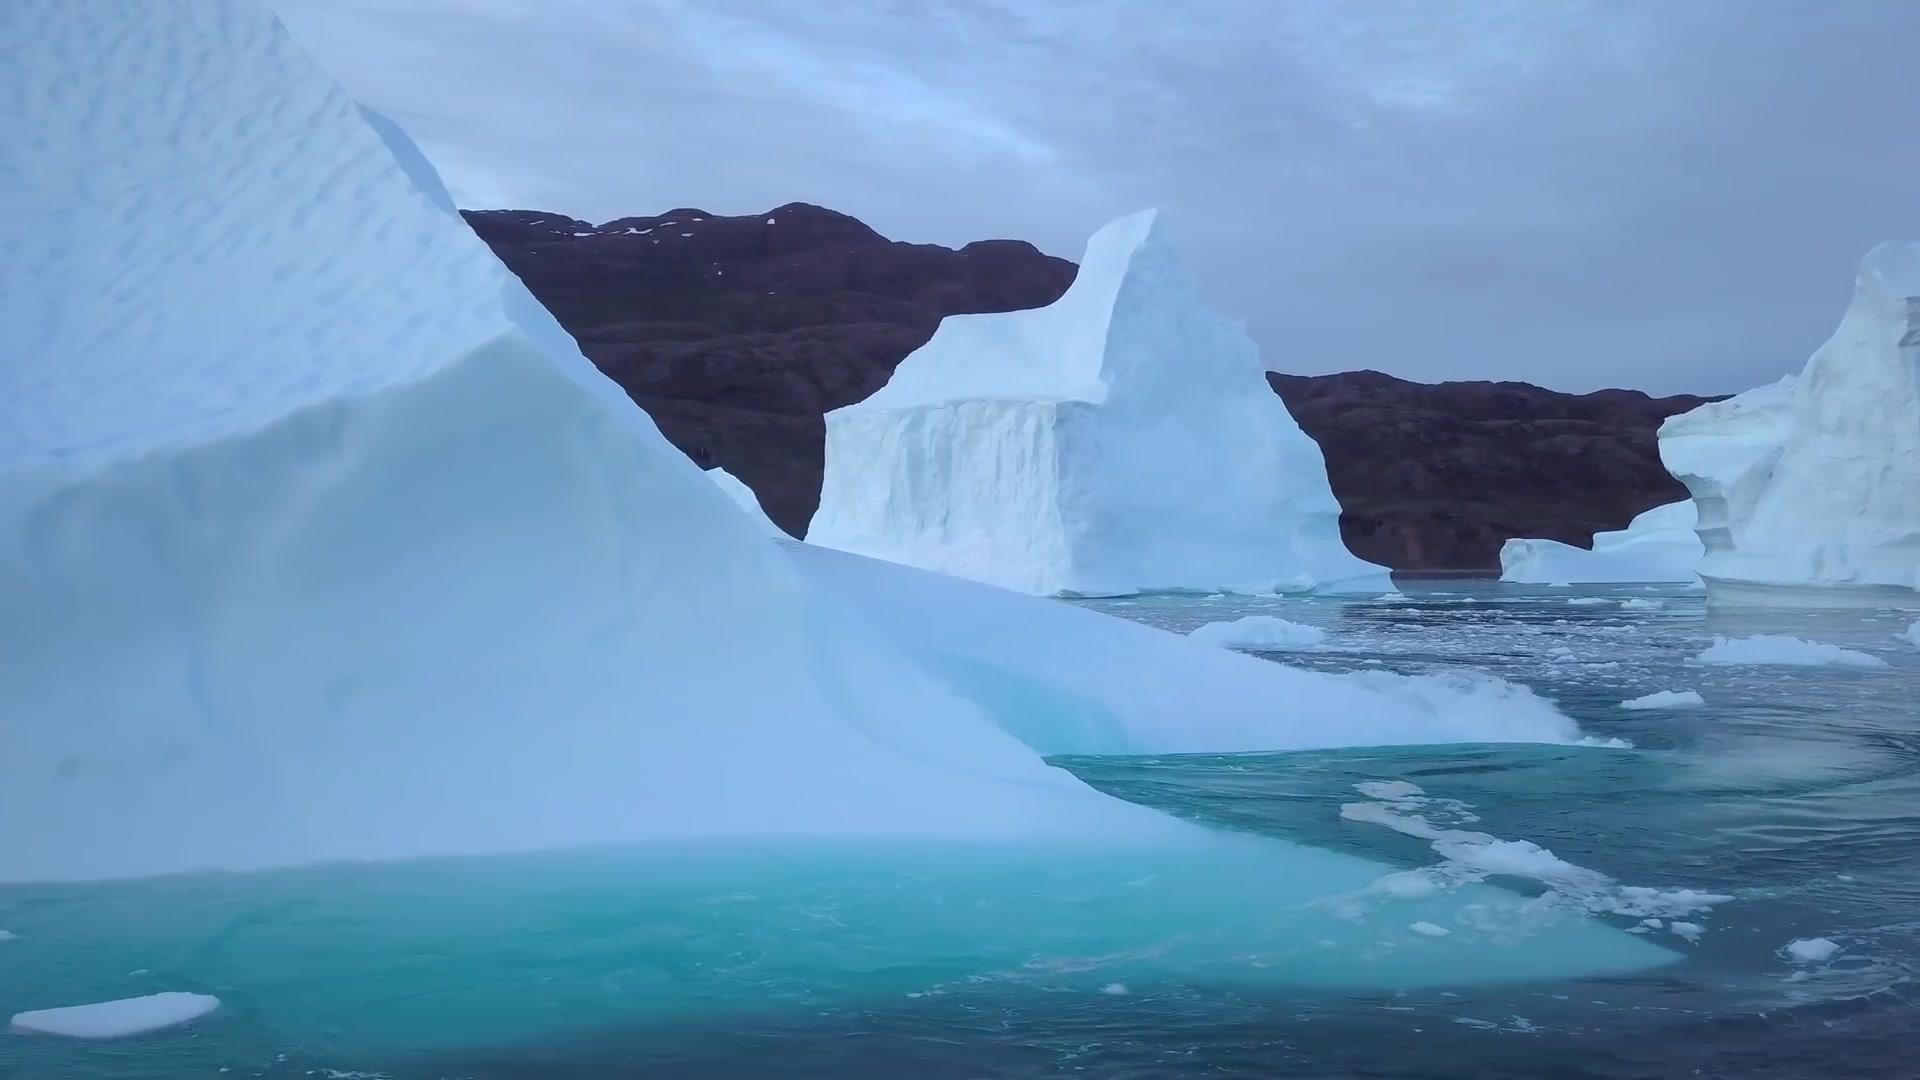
[(1664, 194)]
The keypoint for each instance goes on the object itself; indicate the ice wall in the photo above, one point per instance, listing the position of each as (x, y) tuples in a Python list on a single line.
[(1659, 545), (319, 539), (1809, 489), (743, 495), (1123, 439)]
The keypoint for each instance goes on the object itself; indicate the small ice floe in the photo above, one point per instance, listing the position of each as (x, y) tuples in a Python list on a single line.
[(1811, 950), (1429, 929), (1784, 649), (1588, 601), (1666, 699), (1688, 930), (1115, 990), (1641, 603), (118, 1019), (1260, 633)]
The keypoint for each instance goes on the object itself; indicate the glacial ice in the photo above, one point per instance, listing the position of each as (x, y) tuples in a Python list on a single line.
[(1067, 680), (319, 538), (1809, 488), (118, 1019), (1259, 633), (1666, 699), (740, 493), (1658, 545), (320, 542), (1811, 950), (1121, 440), (1783, 649)]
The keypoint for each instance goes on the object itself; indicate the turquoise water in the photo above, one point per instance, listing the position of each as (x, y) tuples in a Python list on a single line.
[(1794, 794)]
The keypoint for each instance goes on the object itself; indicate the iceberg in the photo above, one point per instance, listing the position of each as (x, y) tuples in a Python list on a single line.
[(117, 1019), (1658, 545), (320, 539), (321, 543), (1121, 440), (743, 495), (1809, 488)]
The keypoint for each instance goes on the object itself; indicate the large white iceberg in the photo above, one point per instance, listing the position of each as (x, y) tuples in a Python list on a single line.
[(319, 540), (1123, 439), (1809, 488), (1658, 545)]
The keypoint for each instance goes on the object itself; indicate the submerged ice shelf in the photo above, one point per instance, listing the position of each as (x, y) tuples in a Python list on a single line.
[(1659, 545), (1809, 488), (1121, 440)]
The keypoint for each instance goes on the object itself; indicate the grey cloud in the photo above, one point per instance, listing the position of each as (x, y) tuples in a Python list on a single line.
[(1637, 192)]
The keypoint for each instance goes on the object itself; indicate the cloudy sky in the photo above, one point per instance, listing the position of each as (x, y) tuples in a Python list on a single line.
[(1663, 194)]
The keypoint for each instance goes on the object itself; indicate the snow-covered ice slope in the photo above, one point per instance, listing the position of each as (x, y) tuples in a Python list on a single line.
[(1659, 545), (1123, 439), (1067, 680), (1809, 488), (740, 493), (320, 539)]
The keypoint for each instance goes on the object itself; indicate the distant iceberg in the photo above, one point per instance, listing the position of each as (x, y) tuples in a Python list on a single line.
[(1123, 439), (1809, 488), (1658, 545)]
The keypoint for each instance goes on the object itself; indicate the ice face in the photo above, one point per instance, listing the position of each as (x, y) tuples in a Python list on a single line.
[(319, 539), (1809, 488), (743, 495), (1123, 439), (1658, 545)]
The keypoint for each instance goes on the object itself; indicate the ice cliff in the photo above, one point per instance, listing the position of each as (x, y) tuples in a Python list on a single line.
[(1120, 440), (1808, 489), (1659, 545)]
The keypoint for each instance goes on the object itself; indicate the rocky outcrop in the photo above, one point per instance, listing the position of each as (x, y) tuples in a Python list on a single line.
[(738, 334), (1438, 476)]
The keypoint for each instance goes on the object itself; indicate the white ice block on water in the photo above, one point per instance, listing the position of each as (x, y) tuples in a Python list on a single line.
[(1658, 545), (1123, 439), (320, 539), (117, 1019), (1809, 488)]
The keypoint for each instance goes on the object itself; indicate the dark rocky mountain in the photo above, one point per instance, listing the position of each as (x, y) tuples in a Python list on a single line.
[(737, 334)]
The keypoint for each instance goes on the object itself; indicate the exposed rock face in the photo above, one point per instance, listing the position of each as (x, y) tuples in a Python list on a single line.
[(1437, 477), (739, 333)]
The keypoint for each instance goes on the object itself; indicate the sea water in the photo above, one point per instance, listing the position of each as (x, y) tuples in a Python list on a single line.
[(1785, 807)]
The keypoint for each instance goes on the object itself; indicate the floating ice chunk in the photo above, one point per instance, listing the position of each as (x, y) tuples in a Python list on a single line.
[(1123, 439), (1389, 789), (1809, 488), (1667, 699), (7, 935), (1811, 950), (746, 499), (1115, 990), (1913, 633), (1260, 633), (1642, 603), (1588, 601), (1471, 856), (1784, 649), (1429, 929), (1688, 930), (118, 1019)]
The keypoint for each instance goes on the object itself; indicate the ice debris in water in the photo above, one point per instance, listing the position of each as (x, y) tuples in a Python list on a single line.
[(1429, 929), (1587, 601), (1784, 649), (1811, 950), (1470, 856), (118, 1019), (1913, 633), (1641, 603), (1667, 699), (1260, 633)]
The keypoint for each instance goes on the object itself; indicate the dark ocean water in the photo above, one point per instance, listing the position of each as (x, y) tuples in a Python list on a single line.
[(1794, 793)]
